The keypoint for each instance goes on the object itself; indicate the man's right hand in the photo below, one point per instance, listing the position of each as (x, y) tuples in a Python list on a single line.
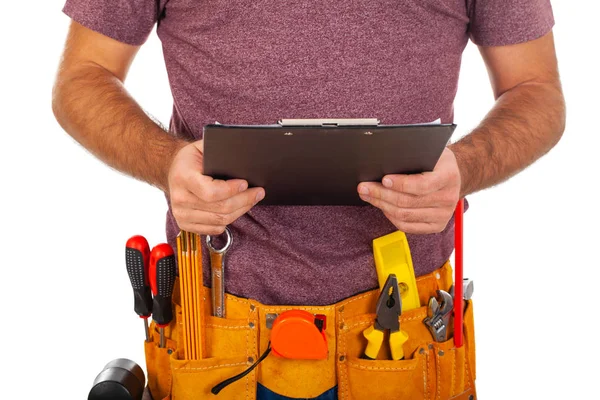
[(202, 204)]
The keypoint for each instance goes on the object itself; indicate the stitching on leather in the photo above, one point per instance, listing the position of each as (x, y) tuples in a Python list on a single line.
[(342, 343), (247, 389), (354, 325), (427, 356), (453, 380), (230, 298), (425, 378), (417, 317), (186, 369), (438, 378), (228, 327), (467, 376), (358, 298), (368, 322), (247, 346), (280, 309), (255, 339), (359, 366)]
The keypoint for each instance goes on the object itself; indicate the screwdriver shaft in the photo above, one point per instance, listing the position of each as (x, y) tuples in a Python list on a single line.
[(162, 338), (146, 330)]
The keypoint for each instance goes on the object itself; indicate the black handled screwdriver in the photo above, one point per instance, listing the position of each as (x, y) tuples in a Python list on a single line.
[(162, 281), (137, 259)]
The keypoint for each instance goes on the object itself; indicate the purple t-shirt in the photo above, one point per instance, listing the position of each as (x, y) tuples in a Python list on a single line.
[(258, 61)]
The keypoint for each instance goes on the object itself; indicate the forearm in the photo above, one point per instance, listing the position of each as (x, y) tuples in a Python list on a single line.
[(525, 123), (92, 105)]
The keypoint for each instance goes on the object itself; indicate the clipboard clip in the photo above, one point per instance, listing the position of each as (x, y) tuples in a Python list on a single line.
[(329, 122)]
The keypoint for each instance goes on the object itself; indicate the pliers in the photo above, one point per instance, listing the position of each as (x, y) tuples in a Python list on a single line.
[(389, 309)]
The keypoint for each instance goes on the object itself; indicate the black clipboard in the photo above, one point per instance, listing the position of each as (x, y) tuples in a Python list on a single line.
[(320, 162)]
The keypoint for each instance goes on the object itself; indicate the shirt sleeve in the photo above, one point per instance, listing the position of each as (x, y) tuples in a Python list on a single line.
[(128, 21), (505, 22)]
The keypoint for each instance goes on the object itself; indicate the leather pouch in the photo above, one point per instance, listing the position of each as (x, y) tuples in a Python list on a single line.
[(231, 347), (158, 365), (430, 370)]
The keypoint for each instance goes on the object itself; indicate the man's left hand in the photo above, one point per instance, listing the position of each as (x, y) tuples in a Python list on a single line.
[(421, 203)]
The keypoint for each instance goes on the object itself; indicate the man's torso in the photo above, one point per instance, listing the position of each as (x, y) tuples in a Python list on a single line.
[(255, 62)]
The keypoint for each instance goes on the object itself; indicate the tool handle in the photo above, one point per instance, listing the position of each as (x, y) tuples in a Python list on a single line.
[(458, 273), (137, 260), (374, 341), (162, 281), (397, 340), (218, 284)]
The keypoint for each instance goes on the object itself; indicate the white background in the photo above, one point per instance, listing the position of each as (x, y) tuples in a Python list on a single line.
[(532, 244)]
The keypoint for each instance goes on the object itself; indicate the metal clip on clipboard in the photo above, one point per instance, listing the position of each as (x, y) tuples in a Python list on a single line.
[(329, 122)]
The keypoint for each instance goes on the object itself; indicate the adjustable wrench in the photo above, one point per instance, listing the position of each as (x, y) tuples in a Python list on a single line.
[(438, 315)]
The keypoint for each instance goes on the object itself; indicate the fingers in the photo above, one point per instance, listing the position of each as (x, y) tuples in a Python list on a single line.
[(376, 191), (195, 215), (215, 214), (202, 204), (205, 222), (417, 228), (201, 229), (209, 190), (409, 215), (417, 185)]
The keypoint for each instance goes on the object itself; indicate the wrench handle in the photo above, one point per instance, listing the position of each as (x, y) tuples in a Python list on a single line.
[(218, 284)]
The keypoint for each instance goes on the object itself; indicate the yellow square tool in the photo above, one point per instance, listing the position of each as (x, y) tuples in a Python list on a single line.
[(392, 256)]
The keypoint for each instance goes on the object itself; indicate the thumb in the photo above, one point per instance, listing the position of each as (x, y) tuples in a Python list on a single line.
[(199, 144)]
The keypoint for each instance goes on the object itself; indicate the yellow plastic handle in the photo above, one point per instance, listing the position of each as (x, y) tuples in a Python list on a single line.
[(397, 340), (375, 339)]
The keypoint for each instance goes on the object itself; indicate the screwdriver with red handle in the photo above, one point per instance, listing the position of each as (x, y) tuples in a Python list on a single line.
[(137, 259), (162, 281)]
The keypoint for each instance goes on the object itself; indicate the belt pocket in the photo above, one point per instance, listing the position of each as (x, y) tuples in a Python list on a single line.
[(360, 378), (158, 365), (231, 347), (450, 370), (380, 379), (455, 367), (193, 379)]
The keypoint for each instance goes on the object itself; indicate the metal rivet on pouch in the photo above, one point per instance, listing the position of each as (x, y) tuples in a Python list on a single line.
[(251, 324), (342, 309), (250, 360), (252, 307), (421, 351), (342, 325), (170, 351), (342, 358), (430, 347), (441, 352), (471, 397)]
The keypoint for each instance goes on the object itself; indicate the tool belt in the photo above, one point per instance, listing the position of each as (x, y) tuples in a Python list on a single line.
[(429, 370)]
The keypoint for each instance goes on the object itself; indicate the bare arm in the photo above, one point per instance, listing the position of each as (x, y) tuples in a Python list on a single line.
[(91, 104), (527, 120)]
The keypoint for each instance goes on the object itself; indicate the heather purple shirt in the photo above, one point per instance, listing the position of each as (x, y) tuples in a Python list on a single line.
[(258, 61)]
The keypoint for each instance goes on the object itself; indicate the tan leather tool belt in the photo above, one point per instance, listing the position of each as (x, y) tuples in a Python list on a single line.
[(430, 370)]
